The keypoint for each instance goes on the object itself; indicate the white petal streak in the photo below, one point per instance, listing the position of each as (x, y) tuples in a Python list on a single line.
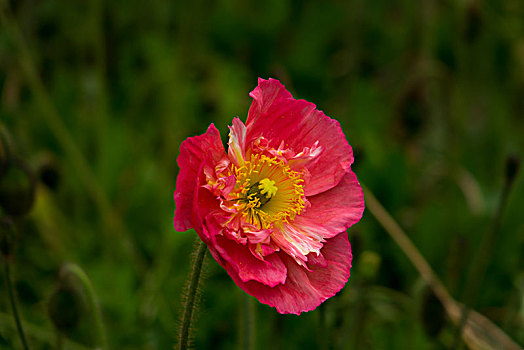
[(298, 242), (237, 142)]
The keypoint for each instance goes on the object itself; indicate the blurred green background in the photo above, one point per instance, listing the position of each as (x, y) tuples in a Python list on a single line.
[(97, 96)]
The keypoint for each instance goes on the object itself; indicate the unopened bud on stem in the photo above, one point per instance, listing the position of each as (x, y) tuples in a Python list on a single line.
[(65, 307)]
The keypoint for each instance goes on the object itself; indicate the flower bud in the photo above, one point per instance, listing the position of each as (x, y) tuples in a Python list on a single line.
[(66, 305), (17, 189)]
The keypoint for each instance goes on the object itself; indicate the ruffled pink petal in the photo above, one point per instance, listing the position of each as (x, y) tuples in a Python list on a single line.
[(335, 210), (309, 154), (237, 142), (234, 236), (297, 242), (264, 95), (260, 251), (314, 259), (257, 236), (195, 152), (241, 263), (305, 290), (276, 116)]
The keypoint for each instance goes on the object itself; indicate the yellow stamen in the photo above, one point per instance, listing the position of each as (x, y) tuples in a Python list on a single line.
[(268, 192)]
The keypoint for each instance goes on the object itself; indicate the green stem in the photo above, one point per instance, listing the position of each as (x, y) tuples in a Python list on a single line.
[(12, 300), (92, 300), (191, 296)]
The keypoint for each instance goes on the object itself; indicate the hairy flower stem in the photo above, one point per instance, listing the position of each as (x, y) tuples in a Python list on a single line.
[(192, 288), (481, 259), (92, 300), (11, 292)]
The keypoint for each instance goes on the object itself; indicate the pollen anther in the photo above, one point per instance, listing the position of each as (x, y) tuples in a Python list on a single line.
[(267, 191)]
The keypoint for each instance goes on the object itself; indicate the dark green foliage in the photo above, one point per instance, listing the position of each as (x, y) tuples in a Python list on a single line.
[(7, 236), (429, 94), (432, 313)]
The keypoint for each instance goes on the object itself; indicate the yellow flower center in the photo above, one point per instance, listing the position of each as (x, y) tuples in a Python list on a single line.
[(259, 193), (267, 191)]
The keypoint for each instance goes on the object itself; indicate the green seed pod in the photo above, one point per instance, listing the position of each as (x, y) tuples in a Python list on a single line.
[(17, 189)]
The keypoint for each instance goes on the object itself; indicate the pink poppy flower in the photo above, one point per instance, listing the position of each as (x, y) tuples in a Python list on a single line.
[(274, 209)]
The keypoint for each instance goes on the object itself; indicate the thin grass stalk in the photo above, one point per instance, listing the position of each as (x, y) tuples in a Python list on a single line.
[(479, 332)]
